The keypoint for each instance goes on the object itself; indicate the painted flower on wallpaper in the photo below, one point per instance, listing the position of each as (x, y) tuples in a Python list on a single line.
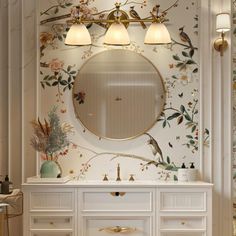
[(60, 77), (46, 38), (80, 97), (56, 65)]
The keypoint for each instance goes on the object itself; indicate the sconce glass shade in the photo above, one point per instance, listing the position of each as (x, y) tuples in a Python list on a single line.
[(78, 35), (117, 34), (157, 33), (223, 22)]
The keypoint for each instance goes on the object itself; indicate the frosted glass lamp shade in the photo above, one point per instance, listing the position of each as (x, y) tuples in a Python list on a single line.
[(117, 34), (78, 35), (223, 22), (157, 33)]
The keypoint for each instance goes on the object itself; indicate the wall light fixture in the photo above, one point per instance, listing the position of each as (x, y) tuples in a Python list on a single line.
[(222, 26), (117, 22)]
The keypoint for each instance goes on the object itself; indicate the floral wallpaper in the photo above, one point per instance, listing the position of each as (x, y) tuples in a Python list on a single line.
[(158, 153)]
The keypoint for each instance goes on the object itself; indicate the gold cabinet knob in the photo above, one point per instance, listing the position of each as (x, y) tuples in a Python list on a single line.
[(51, 223), (117, 194), (118, 229), (182, 223)]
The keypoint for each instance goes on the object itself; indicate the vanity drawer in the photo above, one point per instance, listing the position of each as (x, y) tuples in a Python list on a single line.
[(183, 222), (117, 200), (183, 234), (182, 201), (51, 201), (51, 222), (47, 233), (120, 226)]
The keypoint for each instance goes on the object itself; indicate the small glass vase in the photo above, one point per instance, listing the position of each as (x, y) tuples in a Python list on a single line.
[(50, 169)]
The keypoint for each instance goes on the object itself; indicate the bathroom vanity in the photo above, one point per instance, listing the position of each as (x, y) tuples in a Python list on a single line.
[(139, 208)]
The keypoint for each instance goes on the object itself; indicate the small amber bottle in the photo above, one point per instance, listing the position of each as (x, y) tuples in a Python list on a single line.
[(5, 185)]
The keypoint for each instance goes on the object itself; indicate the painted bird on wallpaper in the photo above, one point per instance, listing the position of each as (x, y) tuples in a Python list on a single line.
[(185, 38), (155, 147), (135, 15)]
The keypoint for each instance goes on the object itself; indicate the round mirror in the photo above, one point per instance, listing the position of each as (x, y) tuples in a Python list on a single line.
[(118, 94)]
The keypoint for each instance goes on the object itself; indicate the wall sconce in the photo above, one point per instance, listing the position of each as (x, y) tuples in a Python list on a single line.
[(222, 26), (117, 34)]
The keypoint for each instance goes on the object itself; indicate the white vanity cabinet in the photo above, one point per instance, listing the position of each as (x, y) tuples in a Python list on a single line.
[(49, 211), (184, 211), (102, 209)]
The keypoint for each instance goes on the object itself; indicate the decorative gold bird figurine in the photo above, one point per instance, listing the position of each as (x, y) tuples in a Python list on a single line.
[(135, 15), (155, 147), (155, 10), (185, 38)]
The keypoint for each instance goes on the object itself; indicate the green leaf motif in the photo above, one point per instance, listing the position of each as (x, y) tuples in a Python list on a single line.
[(164, 124), (185, 54), (190, 62), (182, 108), (168, 159), (175, 115), (176, 57), (187, 117)]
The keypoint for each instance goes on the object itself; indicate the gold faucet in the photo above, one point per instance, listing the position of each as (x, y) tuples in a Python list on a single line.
[(118, 173)]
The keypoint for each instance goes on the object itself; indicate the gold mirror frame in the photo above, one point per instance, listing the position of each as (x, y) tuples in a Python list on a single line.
[(75, 101)]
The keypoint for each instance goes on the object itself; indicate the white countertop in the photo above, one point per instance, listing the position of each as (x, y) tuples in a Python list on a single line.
[(136, 183)]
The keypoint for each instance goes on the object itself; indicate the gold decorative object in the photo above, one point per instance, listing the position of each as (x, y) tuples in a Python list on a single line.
[(118, 229)]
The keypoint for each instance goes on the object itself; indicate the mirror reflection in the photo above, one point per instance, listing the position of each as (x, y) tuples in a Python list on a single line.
[(118, 94)]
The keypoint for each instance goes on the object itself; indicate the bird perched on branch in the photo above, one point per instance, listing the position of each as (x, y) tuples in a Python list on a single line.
[(135, 15), (185, 38), (155, 10), (155, 147)]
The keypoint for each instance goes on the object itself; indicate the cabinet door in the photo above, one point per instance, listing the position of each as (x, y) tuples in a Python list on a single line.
[(105, 226), (51, 222), (118, 200), (183, 222)]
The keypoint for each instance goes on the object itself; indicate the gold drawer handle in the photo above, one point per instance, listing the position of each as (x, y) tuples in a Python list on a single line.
[(117, 194), (118, 229)]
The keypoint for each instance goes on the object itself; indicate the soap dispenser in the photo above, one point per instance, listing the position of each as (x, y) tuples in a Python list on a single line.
[(6, 185), (192, 172), (182, 173)]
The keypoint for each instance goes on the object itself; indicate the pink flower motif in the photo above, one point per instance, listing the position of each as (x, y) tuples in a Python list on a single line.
[(56, 65)]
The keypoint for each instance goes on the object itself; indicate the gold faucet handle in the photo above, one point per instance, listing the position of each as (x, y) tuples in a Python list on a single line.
[(105, 177), (131, 178)]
